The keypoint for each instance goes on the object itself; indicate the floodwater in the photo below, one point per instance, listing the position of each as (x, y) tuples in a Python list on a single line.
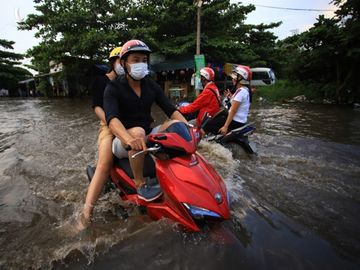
[(295, 205)]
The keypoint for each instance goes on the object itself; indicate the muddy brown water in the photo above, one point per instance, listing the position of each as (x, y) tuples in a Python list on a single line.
[(295, 205)]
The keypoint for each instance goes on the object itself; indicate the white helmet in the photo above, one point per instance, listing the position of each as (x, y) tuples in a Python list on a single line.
[(244, 72)]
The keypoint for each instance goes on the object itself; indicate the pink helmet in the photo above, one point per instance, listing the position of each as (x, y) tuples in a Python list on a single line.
[(208, 73), (244, 72)]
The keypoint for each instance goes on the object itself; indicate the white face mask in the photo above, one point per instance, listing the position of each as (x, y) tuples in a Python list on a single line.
[(119, 70), (138, 71)]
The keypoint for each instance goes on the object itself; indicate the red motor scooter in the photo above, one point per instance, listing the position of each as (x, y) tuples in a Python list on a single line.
[(193, 193)]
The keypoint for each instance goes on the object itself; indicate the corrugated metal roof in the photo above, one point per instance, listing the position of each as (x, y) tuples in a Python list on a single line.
[(26, 81)]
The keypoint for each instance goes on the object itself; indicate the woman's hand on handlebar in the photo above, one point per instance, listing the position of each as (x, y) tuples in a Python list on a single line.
[(223, 130)]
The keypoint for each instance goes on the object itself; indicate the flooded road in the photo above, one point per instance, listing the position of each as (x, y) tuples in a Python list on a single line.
[(295, 205)]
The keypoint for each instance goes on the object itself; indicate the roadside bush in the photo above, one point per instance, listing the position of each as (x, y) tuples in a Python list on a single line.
[(285, 90), (45, 87)]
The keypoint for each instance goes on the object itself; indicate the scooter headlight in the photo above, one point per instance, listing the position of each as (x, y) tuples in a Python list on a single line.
[(199, 213)]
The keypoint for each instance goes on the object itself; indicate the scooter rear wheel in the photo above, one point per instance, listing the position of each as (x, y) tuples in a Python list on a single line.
[(237, 150)]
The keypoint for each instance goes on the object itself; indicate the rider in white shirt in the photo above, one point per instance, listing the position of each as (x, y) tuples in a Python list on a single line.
[(240, 100), (243, 97)]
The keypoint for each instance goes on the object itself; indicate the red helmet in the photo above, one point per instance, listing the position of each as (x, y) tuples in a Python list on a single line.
[(208, 73), (244, 72), (134, 45)]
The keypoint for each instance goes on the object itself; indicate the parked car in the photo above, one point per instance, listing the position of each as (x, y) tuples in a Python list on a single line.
[(262, 76)]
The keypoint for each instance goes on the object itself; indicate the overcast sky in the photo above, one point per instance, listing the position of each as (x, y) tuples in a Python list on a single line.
[(11, 10)]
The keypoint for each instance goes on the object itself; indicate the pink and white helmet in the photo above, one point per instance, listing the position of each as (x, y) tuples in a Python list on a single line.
[(207, 73), (134, 45), (244, 72)]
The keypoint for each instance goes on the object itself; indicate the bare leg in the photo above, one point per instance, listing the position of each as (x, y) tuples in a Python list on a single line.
[(137, 164), (101, 173)]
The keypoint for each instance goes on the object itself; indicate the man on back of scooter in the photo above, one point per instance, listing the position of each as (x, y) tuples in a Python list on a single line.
[(127, 103)]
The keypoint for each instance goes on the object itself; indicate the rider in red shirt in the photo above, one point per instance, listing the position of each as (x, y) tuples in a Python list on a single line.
[(209, 99)]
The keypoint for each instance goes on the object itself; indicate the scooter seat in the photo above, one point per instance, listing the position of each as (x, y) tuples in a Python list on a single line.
[(124, 164)]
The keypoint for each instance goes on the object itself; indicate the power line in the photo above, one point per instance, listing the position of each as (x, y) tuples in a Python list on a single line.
[(296, 9)]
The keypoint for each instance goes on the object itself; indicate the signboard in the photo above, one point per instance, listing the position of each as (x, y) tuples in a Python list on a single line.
[(199, 64)]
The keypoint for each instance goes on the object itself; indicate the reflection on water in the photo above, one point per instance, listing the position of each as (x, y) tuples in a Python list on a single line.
[(295, 205), (327, 122)]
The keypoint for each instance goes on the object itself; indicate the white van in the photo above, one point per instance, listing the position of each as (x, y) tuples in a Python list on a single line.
[(262, 76)]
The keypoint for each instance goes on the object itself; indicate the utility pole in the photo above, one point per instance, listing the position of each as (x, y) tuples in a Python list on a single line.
[(198, 28), (199, 59)]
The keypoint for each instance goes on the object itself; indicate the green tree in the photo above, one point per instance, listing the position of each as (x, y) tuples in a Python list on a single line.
[(170, 28), (83, 28), (349, 50), (10, 73), (263, 44), (77, 28), (327, 55)]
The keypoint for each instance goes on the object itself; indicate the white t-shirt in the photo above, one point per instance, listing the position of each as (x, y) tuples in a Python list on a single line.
[(242, 95)]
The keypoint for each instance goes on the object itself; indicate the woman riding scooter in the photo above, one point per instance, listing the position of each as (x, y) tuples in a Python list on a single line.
[(239, 104)]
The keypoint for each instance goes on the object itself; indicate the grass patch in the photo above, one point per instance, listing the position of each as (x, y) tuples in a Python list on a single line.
[(284, 90)]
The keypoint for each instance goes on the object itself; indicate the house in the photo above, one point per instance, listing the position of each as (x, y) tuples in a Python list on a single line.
[(174, 75)]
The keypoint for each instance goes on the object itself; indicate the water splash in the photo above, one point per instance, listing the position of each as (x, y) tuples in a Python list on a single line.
[(222, 160)]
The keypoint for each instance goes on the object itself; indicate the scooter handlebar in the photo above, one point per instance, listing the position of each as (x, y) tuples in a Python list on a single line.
[(155, 148)]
